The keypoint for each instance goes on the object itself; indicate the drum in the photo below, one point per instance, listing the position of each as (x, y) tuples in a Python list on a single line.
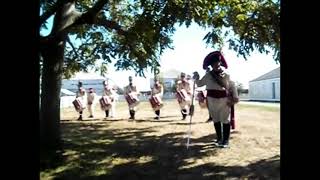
[(131, 99), (156, 102), (182, 96), (105, 101), (77, 105)]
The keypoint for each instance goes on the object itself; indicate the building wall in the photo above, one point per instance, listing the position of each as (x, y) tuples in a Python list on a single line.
[(262, 90)]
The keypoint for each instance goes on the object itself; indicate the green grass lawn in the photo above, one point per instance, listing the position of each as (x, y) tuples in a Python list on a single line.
[(139, 150)]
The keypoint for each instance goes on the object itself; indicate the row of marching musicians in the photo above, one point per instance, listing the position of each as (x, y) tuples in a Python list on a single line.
[(87, 99), (183, 94), (108, 100), (221, 96)]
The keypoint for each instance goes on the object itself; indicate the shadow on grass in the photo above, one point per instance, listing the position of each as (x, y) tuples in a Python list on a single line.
[(263, 169), (93, 152)]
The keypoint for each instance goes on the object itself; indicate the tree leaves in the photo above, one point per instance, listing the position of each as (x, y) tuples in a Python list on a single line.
[(241, 17), (149, 26)]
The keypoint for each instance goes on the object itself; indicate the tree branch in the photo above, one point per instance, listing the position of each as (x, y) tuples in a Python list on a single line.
[(78, 18), (73, 48), (66, 16), (93, 51), (110, 25), (247, 24), (89, 17), (50, 12)]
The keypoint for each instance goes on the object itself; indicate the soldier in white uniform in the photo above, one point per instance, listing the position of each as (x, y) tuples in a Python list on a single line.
[(91, 99), (110, 93), (210, 118), (113, 112), (131, 94), (81, 96), (221, 94), (191, 84), (157, 92), (186, 103)]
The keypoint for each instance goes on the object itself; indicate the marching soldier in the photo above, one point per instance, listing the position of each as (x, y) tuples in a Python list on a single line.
[(81, 96), (184, 93), (156, 97), (91, 99), (221, 94), (108, 95), (113, 112), (131, 95)]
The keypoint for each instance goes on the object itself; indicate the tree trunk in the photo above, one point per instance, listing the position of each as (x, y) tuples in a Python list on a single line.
[(53, 56), (52, 52)]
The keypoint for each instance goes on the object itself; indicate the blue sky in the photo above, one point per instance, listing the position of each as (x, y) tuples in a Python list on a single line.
[(188, 56)]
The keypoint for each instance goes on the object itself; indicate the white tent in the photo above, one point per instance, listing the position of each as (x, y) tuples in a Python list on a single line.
[(84, 76), (66, 92)]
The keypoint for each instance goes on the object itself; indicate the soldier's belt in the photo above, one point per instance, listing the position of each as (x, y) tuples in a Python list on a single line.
[(217, 93)]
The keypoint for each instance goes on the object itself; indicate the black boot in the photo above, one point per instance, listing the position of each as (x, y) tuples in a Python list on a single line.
[(217, 127), (107, 113), (184, 114), (158, 115), (132, 112), (226, 135), (80, 117)]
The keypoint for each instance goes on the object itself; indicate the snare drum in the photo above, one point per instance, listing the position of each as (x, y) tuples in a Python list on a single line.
[(77, 105), (182, 96), (131, 99), (156, 102), (105, 102)]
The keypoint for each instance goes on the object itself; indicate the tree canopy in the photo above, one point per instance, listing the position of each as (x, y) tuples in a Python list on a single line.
[(136, 32)]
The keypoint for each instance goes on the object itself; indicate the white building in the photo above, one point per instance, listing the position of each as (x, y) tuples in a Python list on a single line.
[(266, 87), (72, 85), (89, 80)]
